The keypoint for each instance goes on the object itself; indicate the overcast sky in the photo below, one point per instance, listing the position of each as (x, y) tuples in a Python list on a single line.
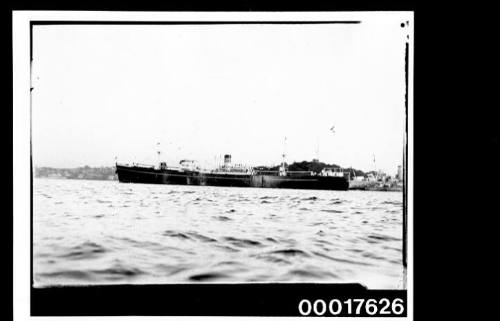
[(203, 91)]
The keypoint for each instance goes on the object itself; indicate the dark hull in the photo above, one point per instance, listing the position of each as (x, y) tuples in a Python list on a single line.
[(136, 174)]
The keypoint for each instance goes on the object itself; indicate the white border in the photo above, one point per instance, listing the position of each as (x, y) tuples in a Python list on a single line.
[(21, 130)]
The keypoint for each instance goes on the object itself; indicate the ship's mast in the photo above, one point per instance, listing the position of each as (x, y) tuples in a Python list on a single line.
[(158, 151), (282, 171), (317, 148), (284, 150)]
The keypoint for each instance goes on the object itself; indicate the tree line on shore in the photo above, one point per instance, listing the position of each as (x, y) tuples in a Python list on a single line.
[(311, 166)]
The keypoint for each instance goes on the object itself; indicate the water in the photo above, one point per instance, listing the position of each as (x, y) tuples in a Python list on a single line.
[(105, 232)]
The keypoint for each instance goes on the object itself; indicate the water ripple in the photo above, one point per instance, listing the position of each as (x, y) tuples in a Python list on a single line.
[(241, 242), (86, 250)]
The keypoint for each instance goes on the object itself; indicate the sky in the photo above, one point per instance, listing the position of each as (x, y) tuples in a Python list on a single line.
[(113, 92)]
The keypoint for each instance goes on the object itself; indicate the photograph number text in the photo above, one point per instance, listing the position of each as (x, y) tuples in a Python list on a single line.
[(352, 307)]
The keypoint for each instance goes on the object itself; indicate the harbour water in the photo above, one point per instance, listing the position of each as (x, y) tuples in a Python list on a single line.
[(105, 232)]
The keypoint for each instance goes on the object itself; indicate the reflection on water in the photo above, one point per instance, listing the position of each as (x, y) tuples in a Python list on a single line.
[(101, 232)]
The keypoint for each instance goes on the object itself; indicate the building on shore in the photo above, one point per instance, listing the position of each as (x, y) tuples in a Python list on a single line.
[(399, 175)]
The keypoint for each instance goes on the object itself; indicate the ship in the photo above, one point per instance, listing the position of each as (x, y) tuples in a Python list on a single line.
[(228, 175)]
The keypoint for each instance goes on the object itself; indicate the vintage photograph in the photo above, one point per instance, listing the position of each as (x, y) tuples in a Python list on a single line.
[(243, 152)]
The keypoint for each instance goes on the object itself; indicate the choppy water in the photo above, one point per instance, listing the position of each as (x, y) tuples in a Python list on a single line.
[(100, 232)]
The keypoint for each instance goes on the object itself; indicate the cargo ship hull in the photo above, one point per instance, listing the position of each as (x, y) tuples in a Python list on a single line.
[(151, 175)]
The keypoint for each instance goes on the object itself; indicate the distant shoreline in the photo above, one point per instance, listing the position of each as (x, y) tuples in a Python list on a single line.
[(86, 172), (77, 179), (386, 183)]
